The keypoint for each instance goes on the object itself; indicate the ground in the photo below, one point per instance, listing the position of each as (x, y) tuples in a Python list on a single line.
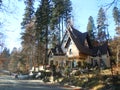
[(92, 81), (103, 80), (9, 83)]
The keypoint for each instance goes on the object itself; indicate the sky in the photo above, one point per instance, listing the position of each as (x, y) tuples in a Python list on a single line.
[(82, 9)]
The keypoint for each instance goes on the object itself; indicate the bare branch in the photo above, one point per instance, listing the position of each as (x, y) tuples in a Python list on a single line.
[(109, 5)]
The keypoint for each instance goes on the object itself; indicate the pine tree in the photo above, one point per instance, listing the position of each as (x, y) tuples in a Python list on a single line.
[(102, 27), (12, 66), (61, 12), (29, 13), (116, 16), (91, 29), (28, 35), (43, 15)]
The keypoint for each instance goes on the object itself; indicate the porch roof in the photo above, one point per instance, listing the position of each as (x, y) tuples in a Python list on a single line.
[(59, 58)]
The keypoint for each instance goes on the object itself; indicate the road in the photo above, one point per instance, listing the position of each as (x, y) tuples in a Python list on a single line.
[(8, 83)]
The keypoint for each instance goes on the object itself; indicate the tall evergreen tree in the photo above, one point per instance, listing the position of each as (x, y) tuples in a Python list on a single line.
[(43, 15), (12, 66), (61, 12), (28, 34), (116, 16), (28, 44), (29, 12), (91, 29), (103, 34)]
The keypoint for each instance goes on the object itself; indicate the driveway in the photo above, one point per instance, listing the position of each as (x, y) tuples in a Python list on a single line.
[(9, 83)]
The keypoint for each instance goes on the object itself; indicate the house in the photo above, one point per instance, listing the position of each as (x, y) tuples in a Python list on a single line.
[(56, 56), (76, 48)]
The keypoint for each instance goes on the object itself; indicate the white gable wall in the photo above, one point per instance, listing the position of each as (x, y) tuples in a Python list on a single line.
[(72, 50)]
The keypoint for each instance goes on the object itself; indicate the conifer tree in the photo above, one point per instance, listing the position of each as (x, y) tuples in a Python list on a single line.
[(103, 34), (91, 29), (43, 15), (116, 16), (61, 12), (12, 66), (28, 35), (116, 42), (29, 13)]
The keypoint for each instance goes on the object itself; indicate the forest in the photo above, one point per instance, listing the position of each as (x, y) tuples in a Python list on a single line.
[(44, 28)]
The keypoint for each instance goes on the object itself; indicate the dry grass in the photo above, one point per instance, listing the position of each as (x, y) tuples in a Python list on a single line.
[(98, 87), (94, 81)]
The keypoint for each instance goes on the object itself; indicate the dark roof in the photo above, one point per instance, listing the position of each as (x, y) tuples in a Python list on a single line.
[(79, 40), (104, 48), (57, 50)]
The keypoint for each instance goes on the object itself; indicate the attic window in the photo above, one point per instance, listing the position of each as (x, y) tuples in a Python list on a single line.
[(70, 51)]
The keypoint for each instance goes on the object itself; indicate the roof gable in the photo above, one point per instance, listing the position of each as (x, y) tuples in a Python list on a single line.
[(79, 39)]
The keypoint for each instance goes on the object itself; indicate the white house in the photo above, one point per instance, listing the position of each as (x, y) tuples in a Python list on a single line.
[(76, 48)]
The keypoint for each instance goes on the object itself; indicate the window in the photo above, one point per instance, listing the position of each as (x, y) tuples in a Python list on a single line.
[(70, 51)]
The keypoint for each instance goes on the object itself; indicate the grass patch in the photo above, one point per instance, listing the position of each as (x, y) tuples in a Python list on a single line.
[(94, 81)]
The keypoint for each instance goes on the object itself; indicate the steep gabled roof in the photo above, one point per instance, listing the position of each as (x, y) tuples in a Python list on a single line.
[(79, 40)]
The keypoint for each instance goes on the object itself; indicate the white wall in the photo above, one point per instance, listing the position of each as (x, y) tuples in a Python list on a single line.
[(74, 50)]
